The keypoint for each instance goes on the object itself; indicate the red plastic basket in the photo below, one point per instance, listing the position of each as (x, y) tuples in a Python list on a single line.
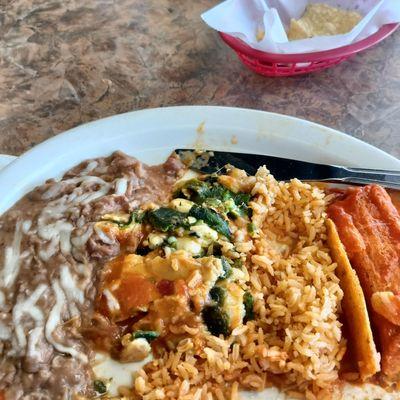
[(272, 64)]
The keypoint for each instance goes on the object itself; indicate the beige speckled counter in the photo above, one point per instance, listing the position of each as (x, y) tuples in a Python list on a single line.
[(64, 63)]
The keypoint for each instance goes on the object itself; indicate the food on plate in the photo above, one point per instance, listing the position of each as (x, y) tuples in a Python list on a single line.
[(355, 308), (369, 227), (215, 283), (50, 269), (240, 289), (321, 20)]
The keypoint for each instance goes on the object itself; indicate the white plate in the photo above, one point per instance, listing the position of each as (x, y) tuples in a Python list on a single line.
[(5, 159), (151, 134)]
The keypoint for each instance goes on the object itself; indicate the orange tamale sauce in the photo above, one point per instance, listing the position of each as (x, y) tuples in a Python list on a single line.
[(130, 289), (368, 223)]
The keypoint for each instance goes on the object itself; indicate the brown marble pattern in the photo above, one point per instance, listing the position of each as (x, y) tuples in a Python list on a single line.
[(67, 62)]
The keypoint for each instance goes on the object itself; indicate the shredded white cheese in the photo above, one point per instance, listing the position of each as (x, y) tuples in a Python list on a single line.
[(65, 242), (121, 185), (49, 249), (85, 270), (49, 231), (34, 337), (89, 197), (89, 179), (26, 225), (2, 299), (52, 223), (103, 236), (85, 181), (112, 302), (52, 192), (55, 319), (12, 258), (28, 307), (73, 293), (80, 241), (29, 326), (5, 332), (90, 167)]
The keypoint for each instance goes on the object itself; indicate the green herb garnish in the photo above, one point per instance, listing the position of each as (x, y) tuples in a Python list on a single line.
[(148, 335), (167, 219), (218, 294), (136, 217), (211, 218), (238, 263), (215, 195), (251, 229), (99, 386), (216, 320), (194, 190), (248, 301)]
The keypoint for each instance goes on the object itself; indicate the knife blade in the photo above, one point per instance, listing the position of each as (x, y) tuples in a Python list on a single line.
[(285, 169)]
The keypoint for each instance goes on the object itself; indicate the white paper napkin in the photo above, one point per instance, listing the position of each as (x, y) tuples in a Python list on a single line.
[(245, 18)]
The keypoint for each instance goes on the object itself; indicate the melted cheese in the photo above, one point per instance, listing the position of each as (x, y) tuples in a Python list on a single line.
[(90, 167), (26, 225), (52, 224), (112, 302), (85, 181), (179, 266), (189, 245), (35, 335), (2, 299), (118, 374), (65, 242), (102, 235), (121, 185), (73, 293), (54, 320), (27, 307), (181, 205), (80, 241), (12, 258), (89, 197), (49, 231), (233, 304), (5, 332), (49, 249)]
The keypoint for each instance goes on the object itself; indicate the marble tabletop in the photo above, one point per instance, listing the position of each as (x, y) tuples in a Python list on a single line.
[(64, 63)]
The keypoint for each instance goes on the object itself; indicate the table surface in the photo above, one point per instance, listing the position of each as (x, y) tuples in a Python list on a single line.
[(64, 63)]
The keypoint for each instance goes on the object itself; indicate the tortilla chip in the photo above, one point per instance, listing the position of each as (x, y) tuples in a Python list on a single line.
[(355, 308)]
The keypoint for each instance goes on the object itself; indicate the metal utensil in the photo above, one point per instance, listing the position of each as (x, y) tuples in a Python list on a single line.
[(285, 169)]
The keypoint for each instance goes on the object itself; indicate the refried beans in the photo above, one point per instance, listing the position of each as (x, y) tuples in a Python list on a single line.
[(51, 260)]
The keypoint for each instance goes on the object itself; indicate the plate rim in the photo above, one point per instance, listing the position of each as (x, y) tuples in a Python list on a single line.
[(317, 131), (335, 132)]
